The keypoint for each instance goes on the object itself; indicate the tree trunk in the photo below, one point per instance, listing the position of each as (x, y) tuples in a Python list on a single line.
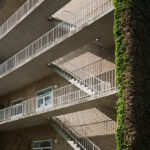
[(132, 40)]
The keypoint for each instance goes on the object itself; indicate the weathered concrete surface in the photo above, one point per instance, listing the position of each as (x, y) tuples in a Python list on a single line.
[(28, 30), (36, 118), (24, 75), (105, 142), (23, 139)]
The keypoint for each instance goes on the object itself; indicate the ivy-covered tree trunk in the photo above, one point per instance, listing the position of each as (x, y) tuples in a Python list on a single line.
[(132, 40)]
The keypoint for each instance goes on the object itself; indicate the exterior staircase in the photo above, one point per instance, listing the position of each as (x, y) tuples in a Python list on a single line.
[(71, 135), (72, 78), (66, 137), (85, 81)]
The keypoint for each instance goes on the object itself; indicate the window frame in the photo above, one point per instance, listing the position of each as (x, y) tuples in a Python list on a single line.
[(41, 148), (14, 106), (16, 101), (43, 96)]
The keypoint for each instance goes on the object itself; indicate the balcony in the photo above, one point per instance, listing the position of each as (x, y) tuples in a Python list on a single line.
[(18, 16), (31, 17), (59, 41), (61, 101)]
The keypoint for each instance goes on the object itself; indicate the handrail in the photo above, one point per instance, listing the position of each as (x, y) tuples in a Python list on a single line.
[(65, 95), (83, 81), (82, 140), (87, 129), (95, 62), (95, 8), (85, 77), (18, 16)]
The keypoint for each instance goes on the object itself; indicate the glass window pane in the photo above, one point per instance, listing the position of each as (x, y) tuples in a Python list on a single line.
[(45, 144), (36, 144), (42, 145), (20, 109), (48, 100), (40, 102)]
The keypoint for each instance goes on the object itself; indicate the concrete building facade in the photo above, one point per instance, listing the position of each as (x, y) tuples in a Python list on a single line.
[(57, 75)]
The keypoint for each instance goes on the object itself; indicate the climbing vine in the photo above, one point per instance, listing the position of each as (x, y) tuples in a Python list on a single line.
[(121, 64), (132, 38)]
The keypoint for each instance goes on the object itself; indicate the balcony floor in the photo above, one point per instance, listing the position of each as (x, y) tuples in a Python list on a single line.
[(107, 99)]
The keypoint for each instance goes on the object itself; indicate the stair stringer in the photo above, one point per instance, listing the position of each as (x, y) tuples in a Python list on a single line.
[(79, 84), (71, 142)]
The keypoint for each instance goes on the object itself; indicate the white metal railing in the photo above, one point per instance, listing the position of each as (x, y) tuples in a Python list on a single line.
[(85, 74), (98, 128), (18, 16), (81, 76), (94, 9), (79, 138), (16, 109), (89, 10), (94, 68), (66, 95)]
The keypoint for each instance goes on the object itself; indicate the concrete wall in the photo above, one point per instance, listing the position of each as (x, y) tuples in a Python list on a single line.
[(96, 58), (72, 7), (98, 124), (23, 139), (30, 90)]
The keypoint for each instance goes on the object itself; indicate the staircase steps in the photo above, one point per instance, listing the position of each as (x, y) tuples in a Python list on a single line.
[(66, 137), (77, 82)]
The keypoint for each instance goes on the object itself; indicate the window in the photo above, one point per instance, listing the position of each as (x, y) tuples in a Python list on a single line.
[(42, 145), (44, 98), (16, 107)]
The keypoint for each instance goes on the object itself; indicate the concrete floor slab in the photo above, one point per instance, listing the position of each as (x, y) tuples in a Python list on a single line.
[(40, 117)]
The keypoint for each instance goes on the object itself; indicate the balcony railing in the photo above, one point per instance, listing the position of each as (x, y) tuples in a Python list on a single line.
[(74, 21), (68, 95), (18, 16)]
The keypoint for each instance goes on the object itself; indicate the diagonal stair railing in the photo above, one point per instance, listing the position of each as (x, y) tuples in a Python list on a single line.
[(85, 77), (81, 140)]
